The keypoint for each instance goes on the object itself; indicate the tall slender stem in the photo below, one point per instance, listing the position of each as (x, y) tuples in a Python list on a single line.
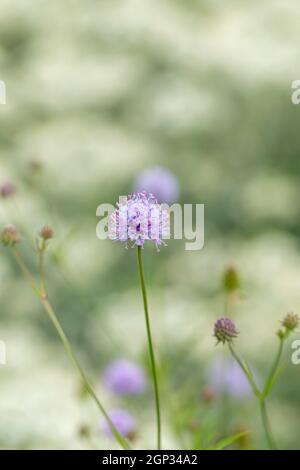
[(266, 424), (274, 370), (260, 395), (150, 346), (51, 314)]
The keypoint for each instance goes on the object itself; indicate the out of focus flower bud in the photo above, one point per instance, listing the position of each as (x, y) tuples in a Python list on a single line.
[(46, 232), (7, 190), (208, 395), (231, 281), (10, 235)]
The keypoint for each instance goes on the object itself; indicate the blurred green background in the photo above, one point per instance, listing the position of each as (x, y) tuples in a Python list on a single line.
[(97, 91)]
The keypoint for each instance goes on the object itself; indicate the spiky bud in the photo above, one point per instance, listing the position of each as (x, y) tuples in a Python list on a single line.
[(225, 330), (46, 232), (10, 235), (290, 322)]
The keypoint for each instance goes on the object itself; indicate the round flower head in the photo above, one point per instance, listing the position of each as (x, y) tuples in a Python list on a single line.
[(291, 321), (225, 330), (123, 421), (7, 190), (10, 235), (124, 377), (289, 324), (160, 182), (139, 218)]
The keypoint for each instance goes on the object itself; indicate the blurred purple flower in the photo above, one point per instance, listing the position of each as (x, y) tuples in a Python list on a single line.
[(7, 189), (123, 421), (138, 218), (226, 376), (160, 182), (124, 377)]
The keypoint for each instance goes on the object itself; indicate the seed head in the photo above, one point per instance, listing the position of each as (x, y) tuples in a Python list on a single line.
[(225, 330)]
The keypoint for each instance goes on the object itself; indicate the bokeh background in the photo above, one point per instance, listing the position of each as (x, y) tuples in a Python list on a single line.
[(98, 91)]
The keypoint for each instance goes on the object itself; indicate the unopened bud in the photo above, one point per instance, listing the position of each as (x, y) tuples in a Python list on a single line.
[(10, 235)]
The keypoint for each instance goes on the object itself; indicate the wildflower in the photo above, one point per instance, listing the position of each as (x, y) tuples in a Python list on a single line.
[(160, 182), (46, 232), (7, 190), (231, 280), (10, 235), (289, 324), (139, 218), (226, 376), (225, 330), (123, 421), (291, 321), (124, 377)]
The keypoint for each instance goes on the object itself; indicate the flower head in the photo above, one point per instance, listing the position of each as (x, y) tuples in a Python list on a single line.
[(139, 218), (160, 182), (10, 235), (225, 330), (123, 421), (7, 190), (124, 377), (290, 322), (46, 232)]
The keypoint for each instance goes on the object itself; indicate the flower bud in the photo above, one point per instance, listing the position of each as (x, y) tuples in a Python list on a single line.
[(10, 235), (46, 232), (290, 322), (225, 330), (231, 281), (7, 190)]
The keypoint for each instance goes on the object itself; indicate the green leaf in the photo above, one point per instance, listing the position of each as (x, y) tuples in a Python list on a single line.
[(227, 441)]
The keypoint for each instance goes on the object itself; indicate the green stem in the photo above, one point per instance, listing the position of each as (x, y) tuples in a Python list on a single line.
[(150, 346), (274, 370), (51, 314), (260, 395), (266, 424), (246, 371)]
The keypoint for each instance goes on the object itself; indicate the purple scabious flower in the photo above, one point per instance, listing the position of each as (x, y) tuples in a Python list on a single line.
[(123, 421), (139, 218), (226, 376), (7, 190), (225, 330), (124, 377), (160, 182)]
